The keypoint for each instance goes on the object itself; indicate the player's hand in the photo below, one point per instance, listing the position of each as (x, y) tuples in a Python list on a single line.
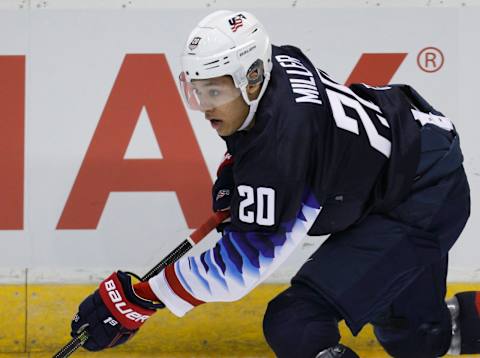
[(224, 186), (113, 313)]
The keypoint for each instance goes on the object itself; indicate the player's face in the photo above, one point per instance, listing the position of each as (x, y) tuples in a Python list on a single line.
[(222, 103)]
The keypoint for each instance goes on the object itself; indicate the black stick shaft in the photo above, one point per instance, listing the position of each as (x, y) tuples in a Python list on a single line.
[(173, 256)]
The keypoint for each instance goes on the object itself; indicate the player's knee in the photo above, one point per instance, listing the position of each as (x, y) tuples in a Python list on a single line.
[(428, 340), (278, 334), (294, 326), (271, 330)]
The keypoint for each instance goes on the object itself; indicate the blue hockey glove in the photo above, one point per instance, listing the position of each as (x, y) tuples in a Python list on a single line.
[(113, 313), (222, 190)]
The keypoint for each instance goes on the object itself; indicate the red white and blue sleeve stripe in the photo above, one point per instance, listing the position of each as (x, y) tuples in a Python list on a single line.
[(234, 266)]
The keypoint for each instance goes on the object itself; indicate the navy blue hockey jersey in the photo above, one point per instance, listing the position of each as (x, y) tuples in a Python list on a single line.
[(319, 157)]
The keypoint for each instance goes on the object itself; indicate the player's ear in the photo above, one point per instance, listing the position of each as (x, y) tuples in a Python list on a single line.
[(255, 77), (253, 90)]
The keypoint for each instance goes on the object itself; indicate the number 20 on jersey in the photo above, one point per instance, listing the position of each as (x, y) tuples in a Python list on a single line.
[(257, 205)]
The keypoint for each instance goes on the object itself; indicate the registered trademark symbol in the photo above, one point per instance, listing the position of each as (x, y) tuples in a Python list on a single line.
[(430, 59)]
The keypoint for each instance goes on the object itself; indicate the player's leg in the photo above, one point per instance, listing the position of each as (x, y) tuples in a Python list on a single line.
[(352, 275), (418, 323), (364, 269), (300, 323)]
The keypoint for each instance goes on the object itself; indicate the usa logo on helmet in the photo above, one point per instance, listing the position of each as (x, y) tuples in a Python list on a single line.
[(236, 22)]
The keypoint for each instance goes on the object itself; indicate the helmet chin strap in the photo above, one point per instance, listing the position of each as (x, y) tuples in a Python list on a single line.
[(253, 104), (251, 113)]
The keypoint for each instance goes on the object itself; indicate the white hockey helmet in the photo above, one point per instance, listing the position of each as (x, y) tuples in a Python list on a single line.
[(227, 43)]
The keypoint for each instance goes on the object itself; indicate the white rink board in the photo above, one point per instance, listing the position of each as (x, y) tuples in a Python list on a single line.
[(73, 57)]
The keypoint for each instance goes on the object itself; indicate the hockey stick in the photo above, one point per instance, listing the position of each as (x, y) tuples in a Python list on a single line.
[(198, 235)]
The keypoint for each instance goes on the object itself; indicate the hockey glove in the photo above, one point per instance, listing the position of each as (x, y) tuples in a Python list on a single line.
[(222, 190), (113, 313)]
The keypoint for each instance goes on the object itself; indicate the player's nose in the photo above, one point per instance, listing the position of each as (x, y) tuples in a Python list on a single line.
[(209, 114)]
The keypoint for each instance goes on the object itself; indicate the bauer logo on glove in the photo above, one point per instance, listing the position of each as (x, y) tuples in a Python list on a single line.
[(128, 314), (113, 313)]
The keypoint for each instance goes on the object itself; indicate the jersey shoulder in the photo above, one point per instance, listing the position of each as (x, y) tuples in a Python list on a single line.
[(295, 96)]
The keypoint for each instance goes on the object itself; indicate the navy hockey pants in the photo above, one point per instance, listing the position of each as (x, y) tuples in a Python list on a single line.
[(389, 269)]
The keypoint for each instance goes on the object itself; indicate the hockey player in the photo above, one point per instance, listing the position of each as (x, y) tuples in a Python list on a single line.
[(378, 168)]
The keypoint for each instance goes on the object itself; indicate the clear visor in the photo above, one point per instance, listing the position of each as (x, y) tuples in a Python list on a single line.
[(208, 94)]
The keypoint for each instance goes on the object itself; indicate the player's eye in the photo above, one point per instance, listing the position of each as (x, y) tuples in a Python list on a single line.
[(213, 92)]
